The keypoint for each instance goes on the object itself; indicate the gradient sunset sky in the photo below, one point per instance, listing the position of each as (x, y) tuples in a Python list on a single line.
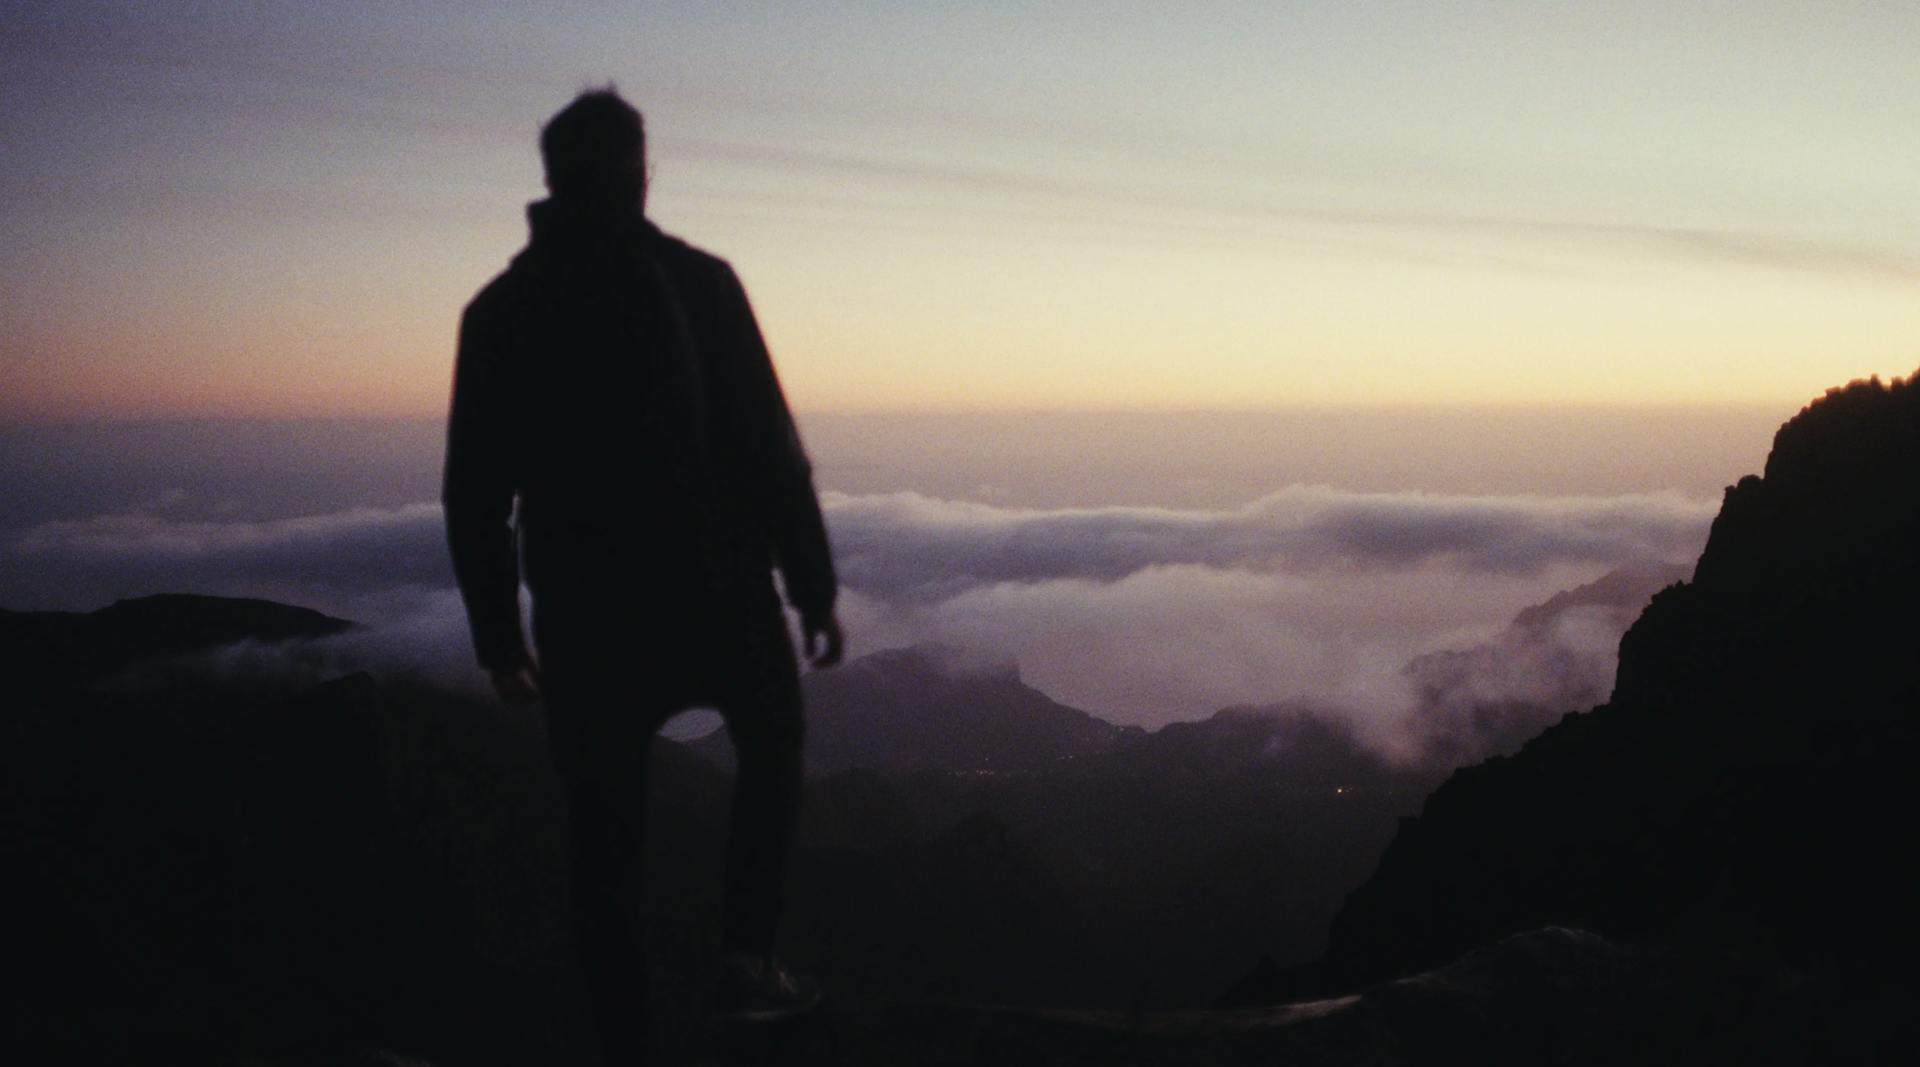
[(279, 208)]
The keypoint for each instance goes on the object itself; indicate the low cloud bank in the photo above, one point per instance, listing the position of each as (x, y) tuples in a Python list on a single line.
[(1180, 642), (1144, 615), (420, 634), (907, 544)]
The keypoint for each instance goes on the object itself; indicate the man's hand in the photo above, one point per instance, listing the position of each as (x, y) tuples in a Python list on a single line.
[(824, 640), (517, 685)]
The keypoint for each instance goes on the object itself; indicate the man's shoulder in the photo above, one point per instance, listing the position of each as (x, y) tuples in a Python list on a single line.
[(506, 290), (688, 260)]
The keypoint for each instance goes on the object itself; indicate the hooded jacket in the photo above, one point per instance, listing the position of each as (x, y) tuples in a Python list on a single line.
[(614, 384)]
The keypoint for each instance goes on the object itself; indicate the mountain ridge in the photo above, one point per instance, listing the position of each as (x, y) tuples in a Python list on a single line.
[(42, 651)]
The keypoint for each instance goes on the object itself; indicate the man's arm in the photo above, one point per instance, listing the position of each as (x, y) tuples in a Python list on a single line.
[(477, 493), (795, 526)]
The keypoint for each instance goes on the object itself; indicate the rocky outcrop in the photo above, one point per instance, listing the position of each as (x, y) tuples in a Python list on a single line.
[(1747, 786)]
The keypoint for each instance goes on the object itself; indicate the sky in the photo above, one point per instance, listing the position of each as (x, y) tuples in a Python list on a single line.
[(1188, 355), (272, 209)]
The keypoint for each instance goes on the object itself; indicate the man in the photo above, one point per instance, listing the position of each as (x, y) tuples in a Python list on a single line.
[(613, 383)]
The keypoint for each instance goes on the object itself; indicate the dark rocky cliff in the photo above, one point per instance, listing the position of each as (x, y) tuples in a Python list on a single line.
[(1749, 783)]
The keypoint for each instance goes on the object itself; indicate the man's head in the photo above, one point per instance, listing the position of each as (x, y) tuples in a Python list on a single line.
[(595, 150)]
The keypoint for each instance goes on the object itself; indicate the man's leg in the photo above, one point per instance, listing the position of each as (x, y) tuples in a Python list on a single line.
[(600, 747), (609, 931), (763, 717)]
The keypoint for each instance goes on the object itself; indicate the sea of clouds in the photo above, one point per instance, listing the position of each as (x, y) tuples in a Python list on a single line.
[(1140, 614)]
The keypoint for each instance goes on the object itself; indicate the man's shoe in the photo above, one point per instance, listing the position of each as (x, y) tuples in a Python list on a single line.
[(755, 988)]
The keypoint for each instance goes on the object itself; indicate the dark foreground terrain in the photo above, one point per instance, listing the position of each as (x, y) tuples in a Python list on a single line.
[(1714, 865)]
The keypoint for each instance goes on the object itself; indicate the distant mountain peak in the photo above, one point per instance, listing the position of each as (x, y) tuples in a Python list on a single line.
[(934, 708)]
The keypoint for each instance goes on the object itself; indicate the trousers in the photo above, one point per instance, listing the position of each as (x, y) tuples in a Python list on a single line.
[(608, 686)]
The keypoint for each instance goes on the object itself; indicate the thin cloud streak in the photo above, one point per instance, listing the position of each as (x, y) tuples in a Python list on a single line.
[(1231, 216)]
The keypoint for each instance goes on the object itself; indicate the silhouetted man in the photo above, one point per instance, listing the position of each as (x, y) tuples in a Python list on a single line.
[(614, 384)]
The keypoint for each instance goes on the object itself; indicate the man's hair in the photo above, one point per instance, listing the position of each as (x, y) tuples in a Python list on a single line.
[(595, 148)]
